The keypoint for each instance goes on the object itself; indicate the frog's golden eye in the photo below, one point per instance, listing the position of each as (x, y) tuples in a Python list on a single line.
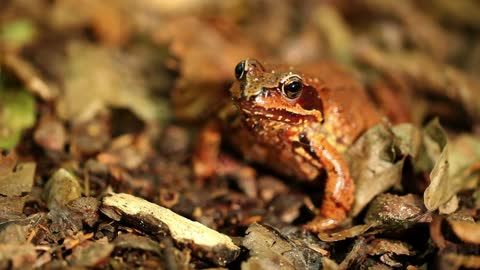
[(240, 70), (292, 87)]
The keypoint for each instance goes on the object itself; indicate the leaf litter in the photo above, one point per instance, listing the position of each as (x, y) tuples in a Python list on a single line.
[(109, 98)]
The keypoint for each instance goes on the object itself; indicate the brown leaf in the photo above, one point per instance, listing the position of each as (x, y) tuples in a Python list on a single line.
[(372, 160), (391, 211), (91, 253), (19, 181), (17, 256), (132, 241), (269, 249), (467, 231), (11, 207), (381, 246)]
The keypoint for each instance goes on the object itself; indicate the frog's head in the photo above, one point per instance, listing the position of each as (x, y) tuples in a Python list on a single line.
[(277, 93)]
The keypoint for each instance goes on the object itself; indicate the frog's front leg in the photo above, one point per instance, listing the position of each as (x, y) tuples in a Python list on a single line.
[(339, 186)]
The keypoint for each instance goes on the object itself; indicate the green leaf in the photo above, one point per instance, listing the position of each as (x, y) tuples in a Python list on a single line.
[(17, 112), (17, 33)]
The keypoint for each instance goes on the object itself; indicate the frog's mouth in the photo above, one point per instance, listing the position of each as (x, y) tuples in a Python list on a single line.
[(267, 103), (250, 110)]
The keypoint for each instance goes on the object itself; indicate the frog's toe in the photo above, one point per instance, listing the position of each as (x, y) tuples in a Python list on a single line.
[(320, 224)]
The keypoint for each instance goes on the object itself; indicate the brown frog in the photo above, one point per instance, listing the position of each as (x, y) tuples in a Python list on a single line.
[(299, 122)]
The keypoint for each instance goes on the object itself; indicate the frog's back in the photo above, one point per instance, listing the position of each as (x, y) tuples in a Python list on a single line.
[(347, 108)]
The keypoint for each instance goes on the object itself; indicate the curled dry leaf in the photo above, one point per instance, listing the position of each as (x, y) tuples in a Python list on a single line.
[(439, 191), (464, 160), (450, 206), (389, 250), (456, 167), (381, 246)]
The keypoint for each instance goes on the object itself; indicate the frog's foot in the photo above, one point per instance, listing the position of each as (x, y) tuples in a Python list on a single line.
[(319, 224), (331, 216)]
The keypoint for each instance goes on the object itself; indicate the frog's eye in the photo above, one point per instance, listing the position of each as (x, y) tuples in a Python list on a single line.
[(292, 87), (240, 70)]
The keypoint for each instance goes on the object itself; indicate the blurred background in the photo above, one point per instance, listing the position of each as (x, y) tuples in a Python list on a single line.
[(159, 60)]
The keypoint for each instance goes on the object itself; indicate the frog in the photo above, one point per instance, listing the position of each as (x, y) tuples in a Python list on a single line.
[(299, 122)]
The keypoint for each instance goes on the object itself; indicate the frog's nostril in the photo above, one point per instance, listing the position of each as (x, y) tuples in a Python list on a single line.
[(240, 70)]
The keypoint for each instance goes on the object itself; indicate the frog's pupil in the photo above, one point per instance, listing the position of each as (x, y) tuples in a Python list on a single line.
[(294, 86), (292, 89), (239, 70)]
